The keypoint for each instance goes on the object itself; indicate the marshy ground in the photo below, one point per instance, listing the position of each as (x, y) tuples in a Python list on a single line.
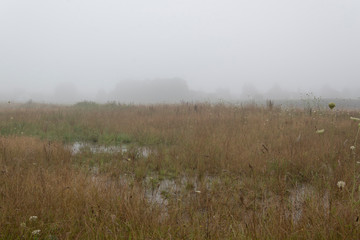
[(184, 171)]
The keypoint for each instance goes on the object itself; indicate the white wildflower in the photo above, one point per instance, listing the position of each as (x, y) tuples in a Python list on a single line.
[(355, 119), (341, 184), (33, 218), (352, 148), (23, 225), (36, 232), (320, 131)]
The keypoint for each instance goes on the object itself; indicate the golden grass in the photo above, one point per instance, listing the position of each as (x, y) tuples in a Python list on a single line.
[(233, 172)]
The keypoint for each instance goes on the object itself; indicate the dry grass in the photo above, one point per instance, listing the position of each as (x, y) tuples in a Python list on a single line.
[(213, 172)]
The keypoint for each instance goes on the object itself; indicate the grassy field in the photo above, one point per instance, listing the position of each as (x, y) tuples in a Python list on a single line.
[(185, 171)]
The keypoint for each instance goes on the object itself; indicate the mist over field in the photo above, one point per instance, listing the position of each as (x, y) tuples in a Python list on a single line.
[(169, 51), (179, 119), (172, 90)]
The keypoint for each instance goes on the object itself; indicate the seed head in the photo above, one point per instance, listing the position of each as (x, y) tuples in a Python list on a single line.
[(340, 184)]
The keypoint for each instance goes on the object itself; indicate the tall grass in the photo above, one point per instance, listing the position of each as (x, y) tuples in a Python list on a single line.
[(214, 172)]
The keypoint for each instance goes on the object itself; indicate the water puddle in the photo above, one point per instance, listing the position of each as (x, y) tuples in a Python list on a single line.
[(79, 147), (300, 195), (159, 192), (297, 199)]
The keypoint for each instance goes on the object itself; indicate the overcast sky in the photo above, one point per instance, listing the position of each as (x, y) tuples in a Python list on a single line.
[(297, 44)]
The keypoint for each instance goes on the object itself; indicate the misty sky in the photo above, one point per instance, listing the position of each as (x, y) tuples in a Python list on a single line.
[(95, 44)]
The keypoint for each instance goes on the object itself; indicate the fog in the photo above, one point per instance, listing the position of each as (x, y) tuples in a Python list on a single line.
[(182, 50)]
